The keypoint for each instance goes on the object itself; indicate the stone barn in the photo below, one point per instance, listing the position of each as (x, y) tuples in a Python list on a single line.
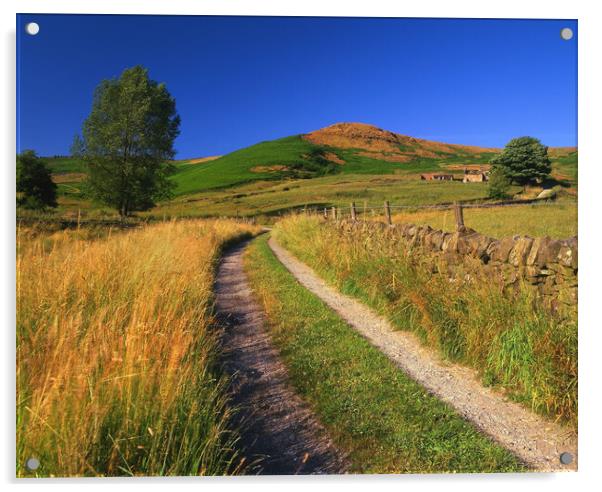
[(475, 177)]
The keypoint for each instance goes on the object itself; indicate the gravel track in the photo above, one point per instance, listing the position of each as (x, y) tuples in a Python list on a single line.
[(533, 439)]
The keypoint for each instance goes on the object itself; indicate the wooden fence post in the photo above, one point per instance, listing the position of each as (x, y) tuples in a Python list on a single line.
[(334, 213), (325, 213), (459, 213), (353, 217), (388, 212)]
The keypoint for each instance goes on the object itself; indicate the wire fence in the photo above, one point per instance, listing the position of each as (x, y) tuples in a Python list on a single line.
[(355, 211)]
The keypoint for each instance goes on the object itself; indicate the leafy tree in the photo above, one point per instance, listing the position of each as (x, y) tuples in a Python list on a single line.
[(524, 160), (34, 182), (499, 184), (127, 140)]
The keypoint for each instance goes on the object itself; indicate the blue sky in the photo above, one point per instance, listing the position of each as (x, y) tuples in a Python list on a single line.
[(240, 80)]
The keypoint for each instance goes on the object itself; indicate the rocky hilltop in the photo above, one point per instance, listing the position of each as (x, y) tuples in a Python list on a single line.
[(386, 145)]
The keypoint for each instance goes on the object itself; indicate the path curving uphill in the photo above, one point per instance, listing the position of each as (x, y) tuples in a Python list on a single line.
[(536, 441), (279, 428)]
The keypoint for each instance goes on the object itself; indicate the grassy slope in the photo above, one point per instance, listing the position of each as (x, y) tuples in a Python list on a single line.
[(386, 421), (515, 343), (235, 168), (565, 167), (117, 371)]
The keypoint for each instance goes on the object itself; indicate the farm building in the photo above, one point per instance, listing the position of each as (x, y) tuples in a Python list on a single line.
[(436, 177), (475, 176)]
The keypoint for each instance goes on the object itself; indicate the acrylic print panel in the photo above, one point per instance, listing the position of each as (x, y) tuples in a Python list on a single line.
[(271, 245)]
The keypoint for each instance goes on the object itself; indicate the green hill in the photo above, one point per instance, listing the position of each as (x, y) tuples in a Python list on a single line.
[(351, 148), (290, 157)]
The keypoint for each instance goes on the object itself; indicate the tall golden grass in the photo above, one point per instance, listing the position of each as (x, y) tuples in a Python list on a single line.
[(116, 357), (510, 338)]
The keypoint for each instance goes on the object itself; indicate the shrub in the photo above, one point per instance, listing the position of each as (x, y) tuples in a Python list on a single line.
[(499, 183), (34, 182)]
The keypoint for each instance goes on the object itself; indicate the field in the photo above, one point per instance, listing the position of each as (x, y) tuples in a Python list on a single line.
[(267, 200), (517, 344), (276, 198), (556, 219), (116, 358), (382, 418)]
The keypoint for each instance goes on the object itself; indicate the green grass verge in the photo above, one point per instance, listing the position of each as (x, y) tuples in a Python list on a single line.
[(386, 421)]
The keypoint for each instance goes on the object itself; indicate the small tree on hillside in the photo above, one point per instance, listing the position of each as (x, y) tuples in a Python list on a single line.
[(34, 182), (524, 160), (127, 140), (499, 184)]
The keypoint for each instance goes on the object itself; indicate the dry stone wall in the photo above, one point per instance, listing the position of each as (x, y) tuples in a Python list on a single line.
[(546, 265)]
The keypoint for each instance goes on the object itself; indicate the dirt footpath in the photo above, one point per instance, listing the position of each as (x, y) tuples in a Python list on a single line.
[(533, 439), (279, 427)]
